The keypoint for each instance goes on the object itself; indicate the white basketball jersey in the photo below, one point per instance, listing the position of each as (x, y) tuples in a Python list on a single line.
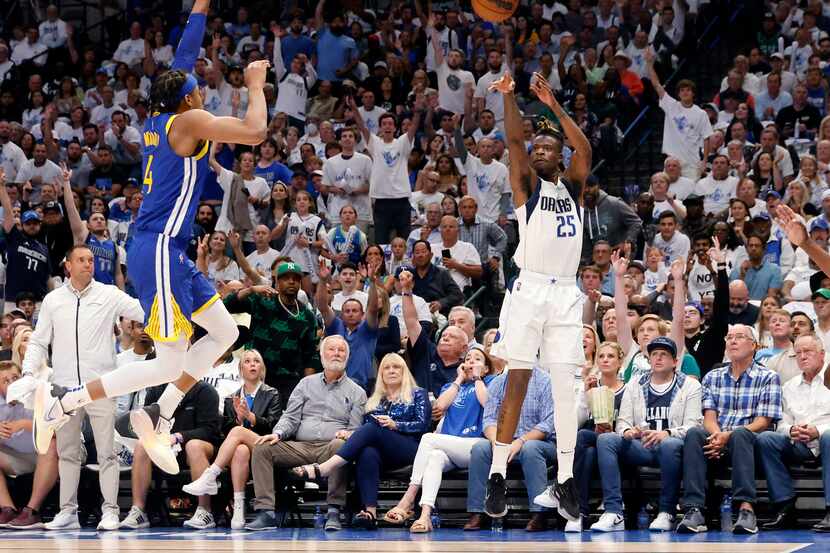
[(550, 231)]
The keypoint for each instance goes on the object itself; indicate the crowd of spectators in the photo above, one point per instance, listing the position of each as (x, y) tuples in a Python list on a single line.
[(350, 245)]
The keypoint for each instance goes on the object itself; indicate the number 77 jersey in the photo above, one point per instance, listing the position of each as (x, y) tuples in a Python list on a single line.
[(550, 231)]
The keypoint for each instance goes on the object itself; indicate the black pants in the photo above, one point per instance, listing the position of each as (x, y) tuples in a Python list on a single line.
[(391, 214)]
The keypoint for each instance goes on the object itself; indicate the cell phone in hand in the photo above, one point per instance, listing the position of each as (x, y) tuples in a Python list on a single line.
[(446, 253)]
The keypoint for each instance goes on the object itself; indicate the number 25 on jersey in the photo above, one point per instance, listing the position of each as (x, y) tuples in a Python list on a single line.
[(565, 227)]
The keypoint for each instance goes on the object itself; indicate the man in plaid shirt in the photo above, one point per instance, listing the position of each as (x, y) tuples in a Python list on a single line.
[(740, 400)]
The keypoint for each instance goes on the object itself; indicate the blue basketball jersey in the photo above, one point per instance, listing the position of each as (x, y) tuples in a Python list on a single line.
[(106, 256), (172, 184)]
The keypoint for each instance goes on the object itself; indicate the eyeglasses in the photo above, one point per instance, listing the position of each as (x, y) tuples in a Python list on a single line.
[(736, 337)]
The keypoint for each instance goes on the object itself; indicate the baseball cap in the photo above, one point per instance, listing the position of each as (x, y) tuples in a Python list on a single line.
[(776, 55), (317, 172), (664, 343), (825, 195), (819, 224), (774, 194), (348, 82), (403, 268), (696, 304), (29, 216), (711, 106), (762, 216), (693, 199), (823, 292), (623, 55), (52, 206), (381, 64), (638, 265), (289, 267)]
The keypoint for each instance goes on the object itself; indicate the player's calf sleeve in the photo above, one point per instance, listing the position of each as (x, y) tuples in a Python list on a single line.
[(221, 334), (564, 416)]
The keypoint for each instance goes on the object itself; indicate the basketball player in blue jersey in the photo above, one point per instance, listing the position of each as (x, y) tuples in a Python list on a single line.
[(172, 291), (543, 313)]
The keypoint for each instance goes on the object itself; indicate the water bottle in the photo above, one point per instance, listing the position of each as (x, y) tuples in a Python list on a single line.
[(642, 519), (435, 519), (498, 525), (319, 517), (726, 514)]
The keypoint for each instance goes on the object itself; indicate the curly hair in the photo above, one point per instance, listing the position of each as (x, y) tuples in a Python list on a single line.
[(164, 95)]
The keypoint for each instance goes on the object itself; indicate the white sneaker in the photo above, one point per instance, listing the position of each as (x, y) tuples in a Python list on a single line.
[(609, 522), (201, 520), (135, 519), (204, 485), (238, 519), (109, 520), (547, 499), (573, 526), (48, 416), (64, 520), (153, 433), (663, 523)]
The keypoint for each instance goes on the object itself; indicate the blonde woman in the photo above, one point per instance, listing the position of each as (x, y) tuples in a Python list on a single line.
[(809, 175), (797, 197), (663, 199), (397, 414), (609, 360), (462, 402), (590, 339), (250, 412)]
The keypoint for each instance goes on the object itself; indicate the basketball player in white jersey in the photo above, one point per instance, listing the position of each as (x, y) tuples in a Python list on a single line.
[(543, 314)]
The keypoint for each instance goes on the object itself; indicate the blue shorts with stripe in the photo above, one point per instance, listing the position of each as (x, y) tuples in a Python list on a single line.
[(169, 286)]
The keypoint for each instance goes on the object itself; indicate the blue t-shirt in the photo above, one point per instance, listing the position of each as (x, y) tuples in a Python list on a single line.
[(760, 280), (361, 348), (657, 406), (765, 353), (291, 46), (274, 172), (428, 369), (333, 53), (463, 417)]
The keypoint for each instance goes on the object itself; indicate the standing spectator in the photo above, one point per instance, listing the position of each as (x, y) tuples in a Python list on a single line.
[(487, 180), (686, 129), (12, 157), (54, 32), (356, 323), (80, 357), (740, 400), (337, 54), (294, 82), (37, 172), (31, 50), (349, 288), (672, 243), (606, 218), (717, 187), (389, 181), (283, 329), (27, 268), (263, 257), (295, 42), (125, 142), (244, 195), (131, 50), (346, 180), (452, 79), (322, 411)]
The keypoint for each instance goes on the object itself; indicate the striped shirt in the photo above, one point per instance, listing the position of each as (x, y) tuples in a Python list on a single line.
[(537, 409), (756, 393), (488, 238)]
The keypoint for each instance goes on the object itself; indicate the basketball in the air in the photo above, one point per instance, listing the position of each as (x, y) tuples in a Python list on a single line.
[(495, 10)]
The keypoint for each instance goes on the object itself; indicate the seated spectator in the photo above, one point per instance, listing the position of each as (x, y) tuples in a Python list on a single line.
[(19, 457), (779, 330), (434, 284), (250, 412), (214, 262), (670, 241), (761, 277), (785, 363), (740, 400), (654, 416), (349, 287), (769, 103), (606, 218), (533, 447), (717, 187), (358, 326), (322, 410), (800, 113), (430, 230), (609, 358), (196, 430), (740, 310), (801, 435), (396, 416), (462, 401)]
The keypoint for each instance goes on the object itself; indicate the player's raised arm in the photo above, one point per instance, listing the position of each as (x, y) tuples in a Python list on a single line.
[(188, 49), (200, 125), (580, 166), (522, 177)]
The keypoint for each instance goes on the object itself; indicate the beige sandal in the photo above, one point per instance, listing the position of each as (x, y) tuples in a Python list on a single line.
[(419, 527), (397, 516)]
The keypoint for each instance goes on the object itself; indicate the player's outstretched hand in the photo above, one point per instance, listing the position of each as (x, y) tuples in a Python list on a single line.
[(792, 225), (541, 88), (619, 263), (504, 85), (255, 74)]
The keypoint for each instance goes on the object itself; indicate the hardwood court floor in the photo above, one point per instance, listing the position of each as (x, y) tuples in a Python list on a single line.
[(176, 540)]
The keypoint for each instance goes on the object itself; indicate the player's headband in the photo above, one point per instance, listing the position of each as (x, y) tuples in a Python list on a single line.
[(188, 87)]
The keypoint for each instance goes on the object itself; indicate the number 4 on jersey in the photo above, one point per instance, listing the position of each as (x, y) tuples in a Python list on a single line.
[(148, 174)]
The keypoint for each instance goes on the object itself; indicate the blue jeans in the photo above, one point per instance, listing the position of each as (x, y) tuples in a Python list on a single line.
[(613, 449), (740, 450), (585, 461), (374, 448), (776, 452), (534, 458)]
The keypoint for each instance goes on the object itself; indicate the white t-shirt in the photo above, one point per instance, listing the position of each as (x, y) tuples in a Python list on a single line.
[(24, 51), (311, 227), (463, 252), (420, 200), (120, 154), (229, 272), (638, 59), (684, 130), (48, 172), (262, 262), (494, 101), (421, 307), (390, 173), (225, 379), (340, 297), (676, 247), (716, 193), (486, 183), (371, 118), (682, 187), (349, 174), (654, 278), (102, 115), (257, 187), (451, 87), (52, 33), (130, 51), (664, 205), (12, 159), (701, 281)]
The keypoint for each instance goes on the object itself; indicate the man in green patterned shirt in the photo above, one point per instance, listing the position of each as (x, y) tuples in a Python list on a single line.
[(283, 329)]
